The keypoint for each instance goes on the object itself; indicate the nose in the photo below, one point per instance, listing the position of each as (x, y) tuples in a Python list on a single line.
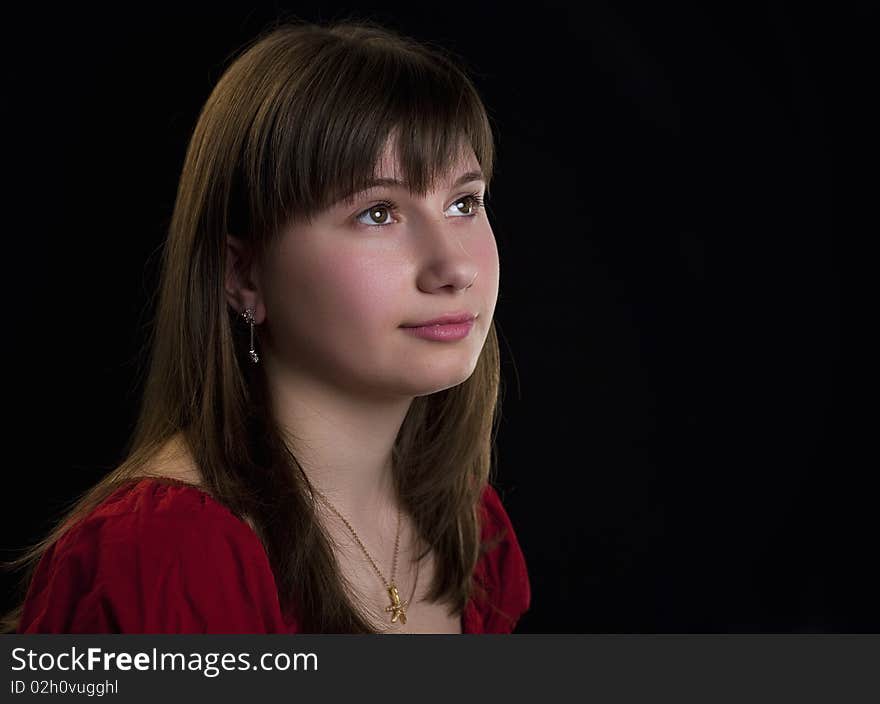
[(443, 257)]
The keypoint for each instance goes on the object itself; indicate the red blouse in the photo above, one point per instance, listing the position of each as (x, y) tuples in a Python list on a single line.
[(163, 557)]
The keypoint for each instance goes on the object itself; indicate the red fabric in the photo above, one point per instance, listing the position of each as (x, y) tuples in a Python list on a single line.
[(161, 557)]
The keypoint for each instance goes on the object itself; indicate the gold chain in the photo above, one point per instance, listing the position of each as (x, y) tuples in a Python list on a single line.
[(397, 609)]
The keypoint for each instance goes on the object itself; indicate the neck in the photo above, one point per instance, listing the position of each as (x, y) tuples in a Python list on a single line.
[(343, 443)]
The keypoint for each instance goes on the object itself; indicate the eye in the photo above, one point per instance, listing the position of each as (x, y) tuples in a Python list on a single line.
[(475, 200), (472, 203)]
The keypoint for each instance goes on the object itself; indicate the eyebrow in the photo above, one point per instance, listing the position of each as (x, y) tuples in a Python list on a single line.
[(466, 177)]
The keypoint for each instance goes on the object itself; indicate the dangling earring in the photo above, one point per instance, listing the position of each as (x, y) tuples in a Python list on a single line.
[(249, 318)]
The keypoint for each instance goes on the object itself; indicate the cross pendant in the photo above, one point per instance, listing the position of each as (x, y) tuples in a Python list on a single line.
[(396, 607)]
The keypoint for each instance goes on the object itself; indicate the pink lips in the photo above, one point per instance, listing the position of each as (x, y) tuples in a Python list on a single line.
[(447, 319), (449, 327)]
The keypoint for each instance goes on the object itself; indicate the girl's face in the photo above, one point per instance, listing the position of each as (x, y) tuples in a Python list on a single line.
[(337, 291)]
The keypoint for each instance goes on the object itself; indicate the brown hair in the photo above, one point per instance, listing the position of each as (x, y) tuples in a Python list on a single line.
[(297, 120)]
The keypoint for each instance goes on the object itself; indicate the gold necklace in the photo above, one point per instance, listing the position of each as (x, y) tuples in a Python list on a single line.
[(397, 608)]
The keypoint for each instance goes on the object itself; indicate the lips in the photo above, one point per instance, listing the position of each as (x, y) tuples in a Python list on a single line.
[(447, 319)]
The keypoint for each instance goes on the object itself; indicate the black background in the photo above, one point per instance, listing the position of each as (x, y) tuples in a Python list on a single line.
[(683, 448)]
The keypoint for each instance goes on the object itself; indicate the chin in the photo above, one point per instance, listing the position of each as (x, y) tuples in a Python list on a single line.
[(446, 381)]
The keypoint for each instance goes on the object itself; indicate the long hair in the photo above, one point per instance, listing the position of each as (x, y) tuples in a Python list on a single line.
[(297, 120)]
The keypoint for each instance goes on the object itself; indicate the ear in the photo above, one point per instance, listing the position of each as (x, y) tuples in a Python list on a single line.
[(241, 279)]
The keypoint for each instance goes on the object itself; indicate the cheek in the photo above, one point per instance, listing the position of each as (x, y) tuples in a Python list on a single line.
[(329, 295), (362, 290)]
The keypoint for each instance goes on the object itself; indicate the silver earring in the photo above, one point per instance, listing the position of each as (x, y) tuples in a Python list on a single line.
[(249, 318)]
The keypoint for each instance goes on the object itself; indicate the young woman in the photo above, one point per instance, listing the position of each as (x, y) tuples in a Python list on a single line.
[(313, 451)]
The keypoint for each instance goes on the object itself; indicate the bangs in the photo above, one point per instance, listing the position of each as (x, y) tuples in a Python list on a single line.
[(341, 101)]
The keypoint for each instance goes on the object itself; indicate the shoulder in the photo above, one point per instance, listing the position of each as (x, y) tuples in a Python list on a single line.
[(502, 568), (157, 514), (155, 556)]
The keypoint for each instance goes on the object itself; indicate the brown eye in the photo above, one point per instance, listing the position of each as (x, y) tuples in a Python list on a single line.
[(375, 214), (467, 203), (473, 203)]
